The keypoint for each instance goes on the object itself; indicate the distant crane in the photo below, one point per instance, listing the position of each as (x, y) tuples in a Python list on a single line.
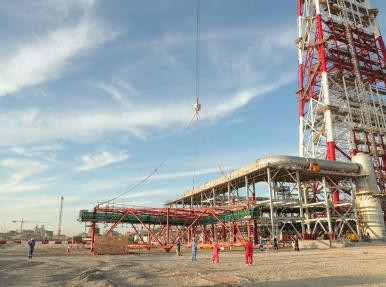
[(22, 221), (60, 215)]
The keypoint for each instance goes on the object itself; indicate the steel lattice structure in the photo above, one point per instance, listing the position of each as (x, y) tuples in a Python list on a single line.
[(341, 57), (229, 209), (165, 226)]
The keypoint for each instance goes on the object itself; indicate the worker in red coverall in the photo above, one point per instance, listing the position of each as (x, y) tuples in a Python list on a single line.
[(215, 250), (248, 252)]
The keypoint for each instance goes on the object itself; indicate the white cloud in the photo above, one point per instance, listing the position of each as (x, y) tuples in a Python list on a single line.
[(22, 169), (148, 193), (137, 116), (17, 171), (44, 11), (103, 158), (32, 125), (46, 57), (243, 97), (116, 94), (235, 121), (278, 33), (13, 187), (189, 173), (87, 125), (101, 185), (37, 149), (46, 151), (118, 185)]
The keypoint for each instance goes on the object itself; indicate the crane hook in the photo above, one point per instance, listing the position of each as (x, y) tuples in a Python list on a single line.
[(197, 106)]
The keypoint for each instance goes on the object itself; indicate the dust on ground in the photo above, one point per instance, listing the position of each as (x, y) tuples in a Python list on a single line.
[(362, 265)]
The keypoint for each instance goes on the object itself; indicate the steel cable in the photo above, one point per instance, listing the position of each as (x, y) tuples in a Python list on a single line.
[(173, 148)]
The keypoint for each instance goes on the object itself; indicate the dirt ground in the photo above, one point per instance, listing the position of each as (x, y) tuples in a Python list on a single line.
[(362, 265)]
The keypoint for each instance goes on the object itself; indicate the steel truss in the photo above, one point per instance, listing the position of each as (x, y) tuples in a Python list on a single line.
[(341, 92), (165, 226)]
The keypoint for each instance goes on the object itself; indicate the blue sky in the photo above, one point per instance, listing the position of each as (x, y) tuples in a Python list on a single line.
[(93, 94)]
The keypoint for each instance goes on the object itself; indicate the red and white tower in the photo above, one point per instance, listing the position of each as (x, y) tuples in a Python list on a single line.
[(342, 92)]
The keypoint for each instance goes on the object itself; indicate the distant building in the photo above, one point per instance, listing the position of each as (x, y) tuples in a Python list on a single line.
[(39, 233)]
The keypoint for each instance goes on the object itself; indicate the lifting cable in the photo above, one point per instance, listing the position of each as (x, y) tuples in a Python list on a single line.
[(197, 84), (195, 150), (197, 105), (197, 108), (173, 148)]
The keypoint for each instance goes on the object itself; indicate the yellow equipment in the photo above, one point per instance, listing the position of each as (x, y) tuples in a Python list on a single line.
[(314, 166), (352, 237)]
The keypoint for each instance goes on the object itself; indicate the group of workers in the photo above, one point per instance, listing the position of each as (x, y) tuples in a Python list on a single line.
[(215, 249), (248, 249)]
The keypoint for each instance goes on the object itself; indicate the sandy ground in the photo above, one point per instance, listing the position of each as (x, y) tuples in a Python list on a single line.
[(363, 265)]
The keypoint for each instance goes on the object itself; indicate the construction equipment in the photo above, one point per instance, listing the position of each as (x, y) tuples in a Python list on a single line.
[(352, 237), (22, 221)]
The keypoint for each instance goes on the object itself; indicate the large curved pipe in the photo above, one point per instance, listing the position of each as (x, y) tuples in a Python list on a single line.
[(276, 161), (326, 165)]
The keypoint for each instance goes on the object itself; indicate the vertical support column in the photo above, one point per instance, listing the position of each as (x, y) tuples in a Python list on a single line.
[(253, 192), (191, 201), (231, 233), (271, 202), (247, 189), (214, 197), (92, 249), (325, 86), (327, 207), (202, 199), (300, 79), (300, 202), (224, 234), (229, 193), (376, 32), (326, 95), (167, 226), (205, 236), (194, 229), (255, 233), (234, 230), (307, 211)]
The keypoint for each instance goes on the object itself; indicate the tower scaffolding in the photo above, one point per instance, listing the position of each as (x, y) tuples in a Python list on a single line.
[(341, 91)]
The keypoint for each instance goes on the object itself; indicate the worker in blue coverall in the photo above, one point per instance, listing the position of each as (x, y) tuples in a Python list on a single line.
[(31, 247), (261, 243), (179, 247), (194, 249)]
